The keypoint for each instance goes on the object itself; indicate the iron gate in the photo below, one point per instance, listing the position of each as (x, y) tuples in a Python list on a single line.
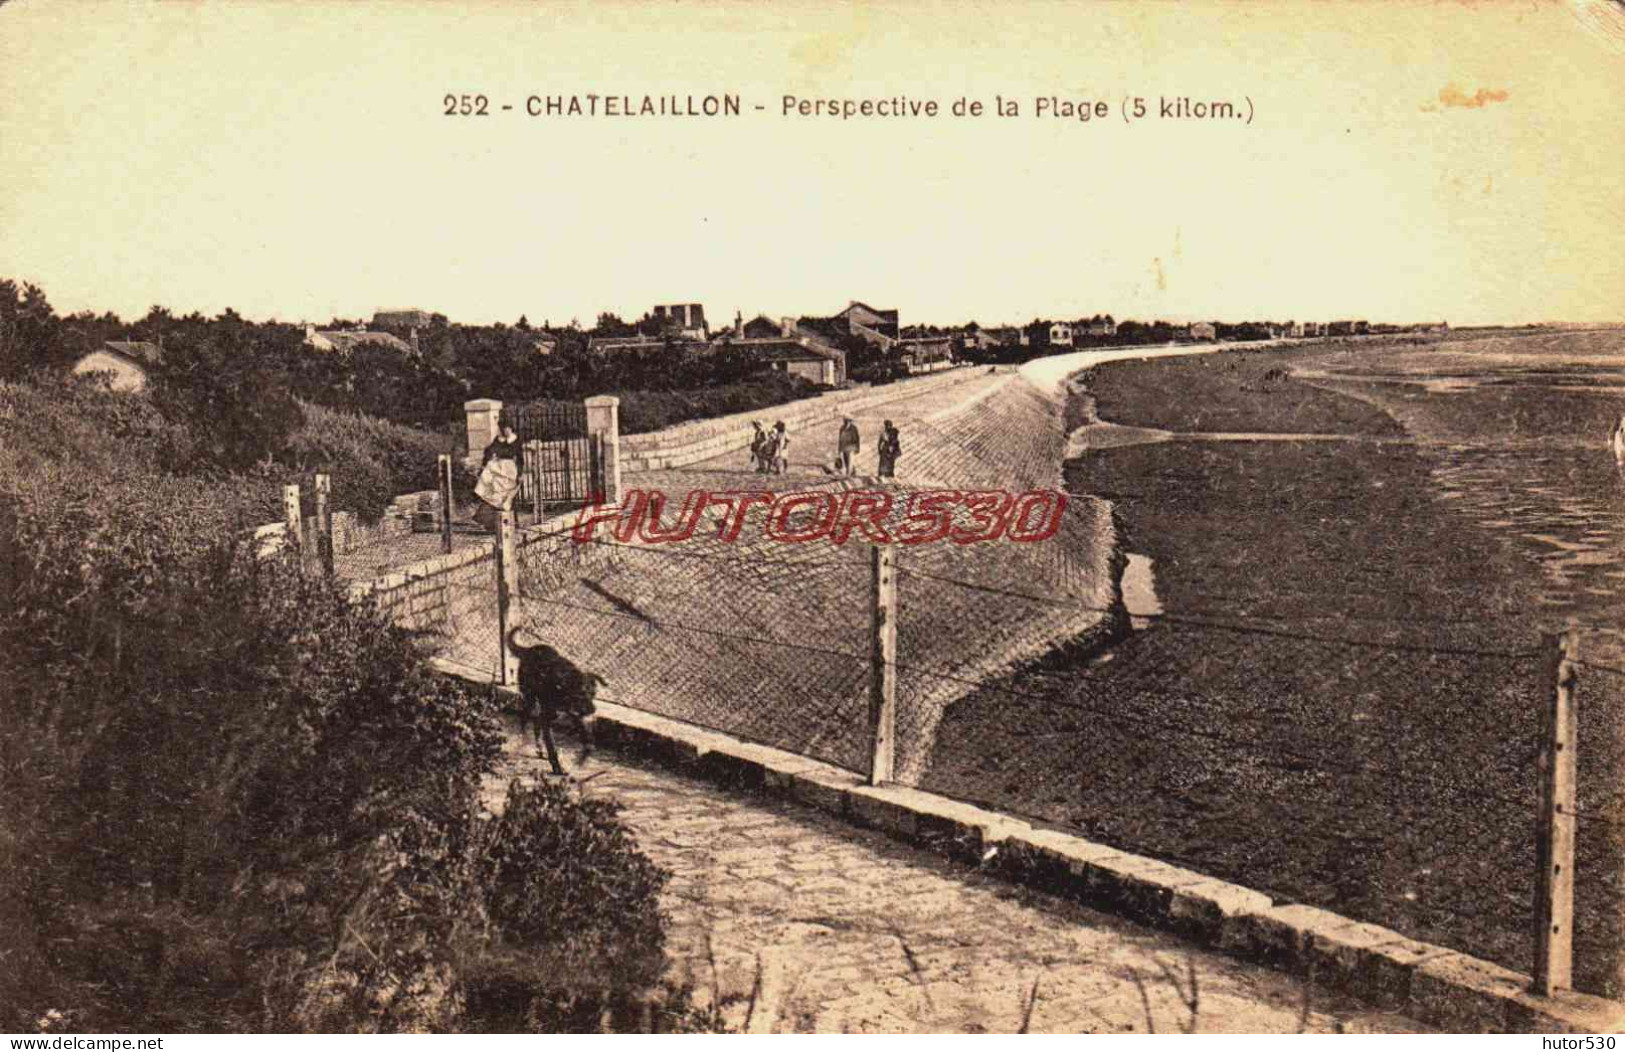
[(564, 464)]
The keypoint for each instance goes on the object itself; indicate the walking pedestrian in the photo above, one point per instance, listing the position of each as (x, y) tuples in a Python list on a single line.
[(781, 448), (891, 447), (760, 459), (770, 451), (847, 445)]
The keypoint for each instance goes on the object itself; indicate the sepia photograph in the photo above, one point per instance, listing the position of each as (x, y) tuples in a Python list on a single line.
[(870, 516)]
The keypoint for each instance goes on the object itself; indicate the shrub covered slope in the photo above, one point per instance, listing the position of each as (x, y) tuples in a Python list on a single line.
[(238, 799)]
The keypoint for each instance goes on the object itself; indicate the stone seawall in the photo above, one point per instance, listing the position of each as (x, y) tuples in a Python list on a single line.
[(1014, 438)]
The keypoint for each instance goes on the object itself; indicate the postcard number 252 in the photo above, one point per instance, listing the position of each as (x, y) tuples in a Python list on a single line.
[(465, 105)]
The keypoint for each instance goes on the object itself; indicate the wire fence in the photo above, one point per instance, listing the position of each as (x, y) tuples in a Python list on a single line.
[(1380, 764), (773, 651), (367, 552)]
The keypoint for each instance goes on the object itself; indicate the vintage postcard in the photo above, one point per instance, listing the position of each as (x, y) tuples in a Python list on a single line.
[(869, 517)]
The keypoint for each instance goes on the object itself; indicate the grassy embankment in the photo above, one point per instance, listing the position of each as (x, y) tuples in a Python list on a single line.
[(1329, 714), (238, 799)]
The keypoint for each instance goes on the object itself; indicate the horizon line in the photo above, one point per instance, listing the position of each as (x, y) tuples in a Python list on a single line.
[(1176, 318)]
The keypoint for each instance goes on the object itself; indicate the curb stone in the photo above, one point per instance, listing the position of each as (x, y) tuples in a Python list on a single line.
[(1433, 984)]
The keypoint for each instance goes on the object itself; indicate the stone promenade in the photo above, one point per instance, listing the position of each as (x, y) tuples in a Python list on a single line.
[(812, 449), (791, 921)]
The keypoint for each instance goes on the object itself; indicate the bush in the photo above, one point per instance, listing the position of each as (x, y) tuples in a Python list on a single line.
[(238, 798), (371, 461), (80, 421), (234, 397), (83, 426), (574, 910), (883, 372), (223, 741), (558, 872)]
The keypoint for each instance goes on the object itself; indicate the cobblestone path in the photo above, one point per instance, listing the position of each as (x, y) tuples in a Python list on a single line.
[(839, 929)]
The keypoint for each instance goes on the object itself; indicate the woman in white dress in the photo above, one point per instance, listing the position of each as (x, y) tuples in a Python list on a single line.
[(499, 479)]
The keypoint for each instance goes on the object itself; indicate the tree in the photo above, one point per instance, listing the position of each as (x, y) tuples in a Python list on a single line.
[(31, 336), (86, 330), (230, 389), (610, 325), (157, 321)]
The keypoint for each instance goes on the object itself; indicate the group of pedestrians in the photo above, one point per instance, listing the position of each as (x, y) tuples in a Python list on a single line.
[(769, 449), (848, 443)]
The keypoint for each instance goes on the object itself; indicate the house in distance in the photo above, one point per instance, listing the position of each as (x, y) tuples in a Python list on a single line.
[(686, 320), (879, 327), (345, 340), (803, 358), (762, 327), (129, 361), (406, 318)]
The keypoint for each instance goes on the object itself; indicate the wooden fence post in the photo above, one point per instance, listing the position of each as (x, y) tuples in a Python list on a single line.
[(1554, 837), (507, 591), (290, 516), (324, 522), (882, 663), (443, 477)]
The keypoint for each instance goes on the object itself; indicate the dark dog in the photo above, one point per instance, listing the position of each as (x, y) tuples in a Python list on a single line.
[(550, 684)]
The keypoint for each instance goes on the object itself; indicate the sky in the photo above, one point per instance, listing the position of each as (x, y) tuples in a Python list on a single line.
[(1403, 161)]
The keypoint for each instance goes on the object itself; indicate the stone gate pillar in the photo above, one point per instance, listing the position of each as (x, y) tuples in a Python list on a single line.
[(604, 421), (482, 414)]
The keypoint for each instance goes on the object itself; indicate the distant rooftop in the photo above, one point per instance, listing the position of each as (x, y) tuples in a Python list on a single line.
[(347, 340), (787, 350), (139, 350)]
